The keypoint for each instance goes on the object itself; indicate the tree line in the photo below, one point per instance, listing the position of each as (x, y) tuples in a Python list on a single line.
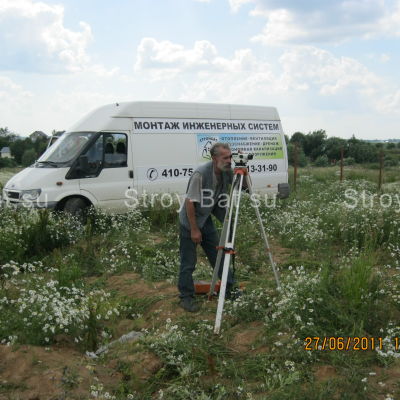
[(313, 148), (316, 148), (24, 151)]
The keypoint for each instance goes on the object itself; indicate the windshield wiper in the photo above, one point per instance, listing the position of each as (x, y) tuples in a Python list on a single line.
[(52, 163)]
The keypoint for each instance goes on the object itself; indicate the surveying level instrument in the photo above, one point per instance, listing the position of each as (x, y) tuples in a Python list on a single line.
[(227, 239)]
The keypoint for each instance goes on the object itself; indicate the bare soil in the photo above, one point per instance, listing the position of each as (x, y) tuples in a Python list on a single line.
[(34, 373)]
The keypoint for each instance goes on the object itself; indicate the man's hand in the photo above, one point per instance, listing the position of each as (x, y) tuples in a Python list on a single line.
[(195, 235)]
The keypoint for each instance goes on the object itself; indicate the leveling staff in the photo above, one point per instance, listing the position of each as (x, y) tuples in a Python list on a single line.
[(206, 185)]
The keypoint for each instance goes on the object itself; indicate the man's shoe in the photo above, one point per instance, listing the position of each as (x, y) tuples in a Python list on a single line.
[(233, 294), (188, 304)]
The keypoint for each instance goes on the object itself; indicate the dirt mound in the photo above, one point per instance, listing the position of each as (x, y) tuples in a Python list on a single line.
[(141, 365), (325, 373), (131, 284), (246, 337), (34, 373)]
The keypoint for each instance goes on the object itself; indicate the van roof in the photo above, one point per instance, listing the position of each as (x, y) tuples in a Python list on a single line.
[(104, 117)]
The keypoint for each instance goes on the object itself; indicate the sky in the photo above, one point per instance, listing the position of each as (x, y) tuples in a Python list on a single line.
[(326, 64)]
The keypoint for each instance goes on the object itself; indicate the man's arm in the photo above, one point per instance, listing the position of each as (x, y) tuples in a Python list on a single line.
[(195, 233)]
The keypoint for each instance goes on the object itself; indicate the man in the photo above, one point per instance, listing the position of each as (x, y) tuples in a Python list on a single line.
[(208, 183)]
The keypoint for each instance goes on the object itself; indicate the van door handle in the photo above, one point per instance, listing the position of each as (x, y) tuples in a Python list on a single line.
[(131, 174)]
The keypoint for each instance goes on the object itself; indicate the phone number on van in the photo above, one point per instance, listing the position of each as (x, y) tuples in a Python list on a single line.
[(165, 172), (181, 172), (176, 172), (262, 168)]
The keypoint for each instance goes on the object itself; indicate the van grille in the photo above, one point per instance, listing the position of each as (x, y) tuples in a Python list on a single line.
[(12, 195)]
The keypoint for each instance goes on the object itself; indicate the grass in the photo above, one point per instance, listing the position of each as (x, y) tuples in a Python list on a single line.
[(352, 173), (339, 268), (6, 174)]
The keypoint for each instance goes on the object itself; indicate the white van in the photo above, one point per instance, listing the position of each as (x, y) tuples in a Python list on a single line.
[(126, 148)]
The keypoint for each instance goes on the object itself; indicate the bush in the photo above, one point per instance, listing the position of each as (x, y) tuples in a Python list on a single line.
[(7, 163), (322, 161), (34, 310), (28, 158), (349, 161), (31, 234), (302, 160), (390, 161)]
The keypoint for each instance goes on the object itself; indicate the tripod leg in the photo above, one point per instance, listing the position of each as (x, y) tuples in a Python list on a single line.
[(228, 245), (219, 258), (221, 299), (264, 235), (224, 236)]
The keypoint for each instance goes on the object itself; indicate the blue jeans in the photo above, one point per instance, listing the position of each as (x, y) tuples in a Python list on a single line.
[(188, 256)]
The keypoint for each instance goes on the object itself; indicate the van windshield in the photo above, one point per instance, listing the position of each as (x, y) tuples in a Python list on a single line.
[(66, 148)]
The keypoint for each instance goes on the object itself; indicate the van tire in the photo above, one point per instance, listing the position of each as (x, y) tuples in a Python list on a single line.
[(76, 206)]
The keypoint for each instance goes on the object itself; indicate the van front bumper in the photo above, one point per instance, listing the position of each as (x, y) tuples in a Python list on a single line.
[(14, 198), (50, 205)]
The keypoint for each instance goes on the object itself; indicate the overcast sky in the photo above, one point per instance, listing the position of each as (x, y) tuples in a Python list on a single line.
[(325, 64)]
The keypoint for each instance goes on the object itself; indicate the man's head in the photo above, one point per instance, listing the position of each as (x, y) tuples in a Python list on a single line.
[(221, 156)]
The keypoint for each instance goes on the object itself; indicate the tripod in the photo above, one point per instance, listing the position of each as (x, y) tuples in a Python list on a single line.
[(227, 239)]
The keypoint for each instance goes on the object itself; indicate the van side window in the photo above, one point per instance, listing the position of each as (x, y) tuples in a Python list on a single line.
[(115, 150)]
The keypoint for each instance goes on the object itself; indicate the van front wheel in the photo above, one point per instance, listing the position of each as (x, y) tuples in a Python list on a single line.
[(76, 206)]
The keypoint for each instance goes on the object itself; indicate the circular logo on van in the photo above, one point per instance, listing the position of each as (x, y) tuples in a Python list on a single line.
[(152, 174), (205, 150)]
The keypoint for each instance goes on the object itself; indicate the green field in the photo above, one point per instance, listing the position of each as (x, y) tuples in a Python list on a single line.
[(332, 332), (6, 174)]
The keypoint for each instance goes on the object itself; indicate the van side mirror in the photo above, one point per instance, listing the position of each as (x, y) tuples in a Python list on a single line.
[(83, 164)]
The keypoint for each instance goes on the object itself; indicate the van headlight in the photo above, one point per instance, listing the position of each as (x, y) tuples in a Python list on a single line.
[(30, 195)]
